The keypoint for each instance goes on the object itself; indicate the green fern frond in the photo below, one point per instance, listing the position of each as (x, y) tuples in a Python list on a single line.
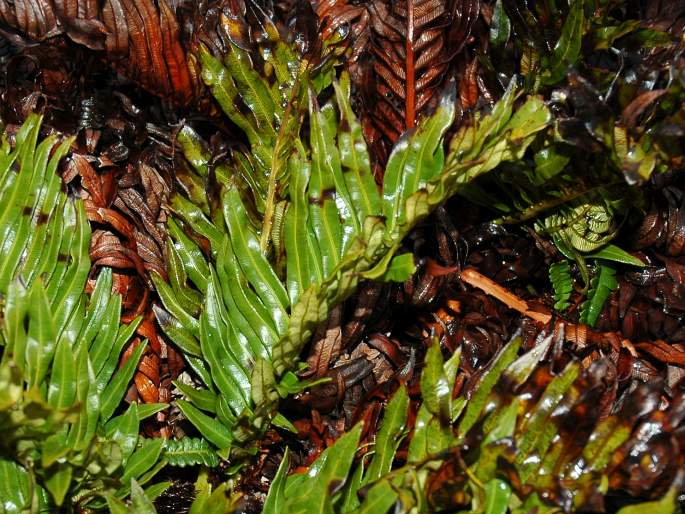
[(267, 109), (562, 282), (601, 286), (337, 229), (268, 105), (59, 373), (35, 217), (511, 421)]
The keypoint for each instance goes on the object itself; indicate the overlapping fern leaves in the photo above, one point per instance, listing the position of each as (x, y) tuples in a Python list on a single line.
[(60, 380), (527, 440), (332, 229), (265, 243)]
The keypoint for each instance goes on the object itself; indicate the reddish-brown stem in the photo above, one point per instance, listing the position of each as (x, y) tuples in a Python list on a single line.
[(409, 67), (475, 279), (580, 334)]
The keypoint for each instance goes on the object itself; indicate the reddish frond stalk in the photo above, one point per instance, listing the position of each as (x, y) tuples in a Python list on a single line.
[(409, 67)]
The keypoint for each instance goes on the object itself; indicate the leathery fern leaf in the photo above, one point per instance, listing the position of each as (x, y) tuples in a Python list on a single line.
[(190, 451)]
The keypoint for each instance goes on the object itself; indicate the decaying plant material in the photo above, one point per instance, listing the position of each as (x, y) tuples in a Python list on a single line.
[(402, 54), (342, 256)]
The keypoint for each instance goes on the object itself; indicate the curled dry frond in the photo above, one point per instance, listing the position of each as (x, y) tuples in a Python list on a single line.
[(401, 55), (141, 38), (412, 44), (125, 207)]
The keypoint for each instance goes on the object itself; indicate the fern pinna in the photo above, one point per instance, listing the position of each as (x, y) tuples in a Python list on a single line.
[(562, 282)]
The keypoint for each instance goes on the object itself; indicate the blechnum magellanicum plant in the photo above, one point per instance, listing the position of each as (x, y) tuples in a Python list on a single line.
[(298, 224), (60, 383), (65, 441), (529, 439)]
